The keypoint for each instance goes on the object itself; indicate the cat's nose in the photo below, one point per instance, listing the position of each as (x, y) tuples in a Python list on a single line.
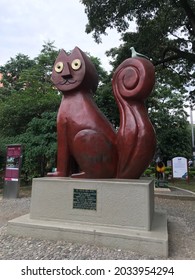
[(66, 71)]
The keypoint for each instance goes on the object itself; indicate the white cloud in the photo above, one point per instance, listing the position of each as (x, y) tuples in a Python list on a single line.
[(25, 25)]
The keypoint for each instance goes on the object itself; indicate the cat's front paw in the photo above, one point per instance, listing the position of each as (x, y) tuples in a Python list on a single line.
[(55, 174)]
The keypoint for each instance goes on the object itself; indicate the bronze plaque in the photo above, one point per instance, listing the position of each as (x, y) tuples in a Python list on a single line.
[(84, 199)]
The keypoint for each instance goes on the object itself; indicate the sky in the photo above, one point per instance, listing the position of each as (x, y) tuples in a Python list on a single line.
[(26, 24)]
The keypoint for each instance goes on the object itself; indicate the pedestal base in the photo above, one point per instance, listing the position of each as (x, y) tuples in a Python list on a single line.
[(114, 213)]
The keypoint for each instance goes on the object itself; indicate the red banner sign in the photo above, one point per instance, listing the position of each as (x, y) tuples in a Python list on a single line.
[(13, 162)]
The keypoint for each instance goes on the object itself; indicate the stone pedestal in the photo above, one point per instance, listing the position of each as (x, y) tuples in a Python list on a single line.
[(114, 213)]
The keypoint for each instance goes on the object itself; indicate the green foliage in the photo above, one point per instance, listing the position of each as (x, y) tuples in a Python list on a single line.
[(40, 142), (169, 21), (106, 102), (20, 108), (169, 118), (149, 172), (24, 74), (28, 109), (165, 32), (12, 71), (192, 173), (103, 75), (104, 96)]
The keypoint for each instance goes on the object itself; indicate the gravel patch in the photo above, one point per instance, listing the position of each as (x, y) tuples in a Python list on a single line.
[(181, 228)]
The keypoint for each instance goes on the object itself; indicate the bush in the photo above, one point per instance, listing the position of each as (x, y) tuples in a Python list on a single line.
[(191, 173), (149, 172)]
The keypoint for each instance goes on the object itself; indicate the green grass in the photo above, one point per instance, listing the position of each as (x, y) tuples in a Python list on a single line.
[(184, 184)]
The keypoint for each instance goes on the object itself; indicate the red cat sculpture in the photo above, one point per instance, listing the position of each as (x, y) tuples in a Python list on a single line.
[(88, 146)]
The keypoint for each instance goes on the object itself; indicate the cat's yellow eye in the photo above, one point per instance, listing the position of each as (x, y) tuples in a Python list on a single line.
[(59, 67), (76, 64)]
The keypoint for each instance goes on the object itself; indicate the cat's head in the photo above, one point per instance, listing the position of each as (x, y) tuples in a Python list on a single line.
[(75, 70)]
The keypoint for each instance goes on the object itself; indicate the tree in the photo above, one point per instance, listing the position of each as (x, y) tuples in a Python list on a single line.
[(106, 102), (168, 116), (20, 108), (31, 93), (165, 31), (103, 96), (28, 110), (40, 142), (12, 71)]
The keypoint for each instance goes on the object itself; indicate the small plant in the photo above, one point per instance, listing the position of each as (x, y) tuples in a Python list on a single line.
[(191, 173), (149, 172)]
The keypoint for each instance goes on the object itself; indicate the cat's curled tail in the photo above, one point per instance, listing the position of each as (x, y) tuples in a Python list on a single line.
[(132, 83)]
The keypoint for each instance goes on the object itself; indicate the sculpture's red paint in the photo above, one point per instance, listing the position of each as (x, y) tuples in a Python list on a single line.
[(84, 134), (136, 142), (88, 146)]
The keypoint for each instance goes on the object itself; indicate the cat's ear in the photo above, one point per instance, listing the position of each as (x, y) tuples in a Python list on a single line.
[(64, 52), (61, 55), (77, 51)]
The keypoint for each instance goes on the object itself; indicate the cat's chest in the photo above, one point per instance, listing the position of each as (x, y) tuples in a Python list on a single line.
[(76, 112)]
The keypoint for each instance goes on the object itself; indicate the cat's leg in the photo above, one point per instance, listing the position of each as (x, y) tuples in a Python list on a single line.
[(95, 154)]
